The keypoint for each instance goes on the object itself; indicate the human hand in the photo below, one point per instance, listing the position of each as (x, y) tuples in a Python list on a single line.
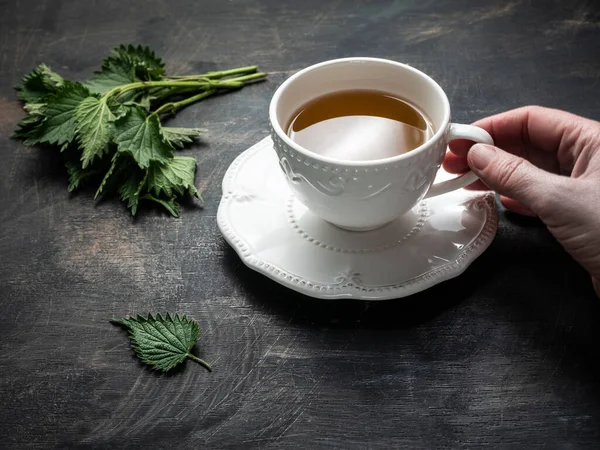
[(546, 164)]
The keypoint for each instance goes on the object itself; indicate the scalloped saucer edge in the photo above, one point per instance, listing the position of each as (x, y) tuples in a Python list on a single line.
[(325, 258)]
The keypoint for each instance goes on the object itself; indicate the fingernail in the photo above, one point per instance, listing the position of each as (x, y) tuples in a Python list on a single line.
[(480, 155)]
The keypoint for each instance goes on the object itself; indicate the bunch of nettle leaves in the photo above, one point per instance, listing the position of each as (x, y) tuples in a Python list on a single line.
[(108, 128)]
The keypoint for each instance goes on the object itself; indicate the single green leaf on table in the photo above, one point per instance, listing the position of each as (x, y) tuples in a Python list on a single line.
[(178, 137), (162, 343), (139, 135), (39, 83), (95, 126), (59, 124)]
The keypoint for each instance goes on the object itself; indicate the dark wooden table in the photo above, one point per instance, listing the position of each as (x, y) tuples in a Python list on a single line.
[(511, 362)]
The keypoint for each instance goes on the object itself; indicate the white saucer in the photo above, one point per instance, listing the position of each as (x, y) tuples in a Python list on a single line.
[(276, 235)]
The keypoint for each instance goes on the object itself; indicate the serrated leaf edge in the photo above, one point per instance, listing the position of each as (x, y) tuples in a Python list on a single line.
[(125, 322)]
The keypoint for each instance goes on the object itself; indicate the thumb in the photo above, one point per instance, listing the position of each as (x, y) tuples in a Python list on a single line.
[(512, 176)]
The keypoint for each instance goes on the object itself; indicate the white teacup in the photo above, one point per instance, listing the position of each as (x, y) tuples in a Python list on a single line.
[(364, 195)]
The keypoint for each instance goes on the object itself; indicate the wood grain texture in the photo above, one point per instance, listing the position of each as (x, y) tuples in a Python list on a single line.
[(510, 362)]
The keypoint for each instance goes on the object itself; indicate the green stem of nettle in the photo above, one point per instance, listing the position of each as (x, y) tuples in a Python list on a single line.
[(245, 78), (220, 74), (173, 106), (175, 91), (230, 83), (119, 90), (234, 82), (200, 361)]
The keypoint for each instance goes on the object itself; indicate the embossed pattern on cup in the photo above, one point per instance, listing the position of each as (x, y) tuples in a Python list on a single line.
[(330, 189)]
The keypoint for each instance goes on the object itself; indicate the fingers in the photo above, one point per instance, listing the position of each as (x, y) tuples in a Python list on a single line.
[(458, 164), (460, 147), (544, 128), (455, 164), (513, 177), (516, 207)]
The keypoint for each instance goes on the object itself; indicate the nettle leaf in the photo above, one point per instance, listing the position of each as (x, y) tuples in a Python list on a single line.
[(107, 175), (168, 181), (50, 78), (28, 129), (95, 126), (39, 83), (77, 175), (131, 189), (110, 77), (178, 137), (147, 65), (34, 109), (127, 64), (139, 135), (173, 178), (122, 168), (169, 204), (60, 123), (162, 343), (145, 101)]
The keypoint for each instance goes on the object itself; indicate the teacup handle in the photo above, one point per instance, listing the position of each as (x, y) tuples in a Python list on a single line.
[(459, 131)]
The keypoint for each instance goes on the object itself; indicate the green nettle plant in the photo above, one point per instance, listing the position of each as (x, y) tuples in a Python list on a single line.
[(109, 130)]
